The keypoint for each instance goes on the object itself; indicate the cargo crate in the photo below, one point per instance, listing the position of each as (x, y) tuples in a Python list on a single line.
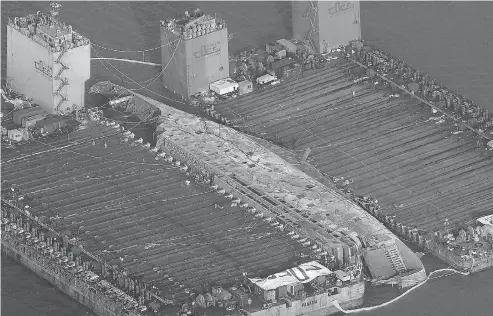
[(19, 114)]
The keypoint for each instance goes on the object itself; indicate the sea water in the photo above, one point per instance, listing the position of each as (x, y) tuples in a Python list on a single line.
[(451, 41)]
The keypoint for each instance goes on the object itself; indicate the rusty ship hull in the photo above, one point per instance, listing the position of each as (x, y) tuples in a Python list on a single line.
[(375, 138), (130, 210)]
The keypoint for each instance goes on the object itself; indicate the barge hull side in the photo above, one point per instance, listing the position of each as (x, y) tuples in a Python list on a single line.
[(86, 298)]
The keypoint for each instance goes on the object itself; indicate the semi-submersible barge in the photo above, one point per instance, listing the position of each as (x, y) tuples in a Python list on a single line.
[(207, 221), (119, 225), (430, 170), (377, 129)]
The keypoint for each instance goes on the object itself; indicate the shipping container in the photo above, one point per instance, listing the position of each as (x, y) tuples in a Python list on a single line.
[(31, 120), (282, 291), (224, 86), (17, 135), (261, 57), (298, 69), (269, 295), (280, 54), (4, 131), (284, 73), (20, 114), (265, 79), (343, 276), (288, 46), (270, 60), (287, 73), (282, 63), (240, 296), (52, 124), (297, 289), (291, 71), (245, 87), (273, 47)]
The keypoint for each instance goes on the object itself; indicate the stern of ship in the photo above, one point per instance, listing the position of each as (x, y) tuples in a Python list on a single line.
[(390, 261)]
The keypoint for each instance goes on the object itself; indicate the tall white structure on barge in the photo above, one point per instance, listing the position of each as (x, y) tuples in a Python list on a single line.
[(48, 61), (324, 25)]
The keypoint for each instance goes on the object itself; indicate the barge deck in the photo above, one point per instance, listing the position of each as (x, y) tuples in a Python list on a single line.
[(421, 169), (138, 213)]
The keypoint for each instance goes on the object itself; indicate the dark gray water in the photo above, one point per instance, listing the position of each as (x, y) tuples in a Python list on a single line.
[(451, 41), (24, 293)]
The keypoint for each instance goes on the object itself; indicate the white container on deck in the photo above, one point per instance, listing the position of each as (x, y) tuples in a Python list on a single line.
[(289, 46), (17, 135), (265, 79), (120, 100), (224, 86)]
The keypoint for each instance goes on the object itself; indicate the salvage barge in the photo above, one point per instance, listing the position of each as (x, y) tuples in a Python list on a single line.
[(98, 219), (241, 164), (134, 219), (123, 227), (377, 135)]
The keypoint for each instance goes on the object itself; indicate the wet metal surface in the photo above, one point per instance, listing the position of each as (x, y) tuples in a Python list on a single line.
[(418, 167), (134, 211)]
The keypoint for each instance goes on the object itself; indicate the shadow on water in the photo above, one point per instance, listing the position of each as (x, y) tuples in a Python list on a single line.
[(25, 293)]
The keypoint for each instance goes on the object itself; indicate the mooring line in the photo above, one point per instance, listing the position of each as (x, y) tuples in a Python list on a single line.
[(365, 309)]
